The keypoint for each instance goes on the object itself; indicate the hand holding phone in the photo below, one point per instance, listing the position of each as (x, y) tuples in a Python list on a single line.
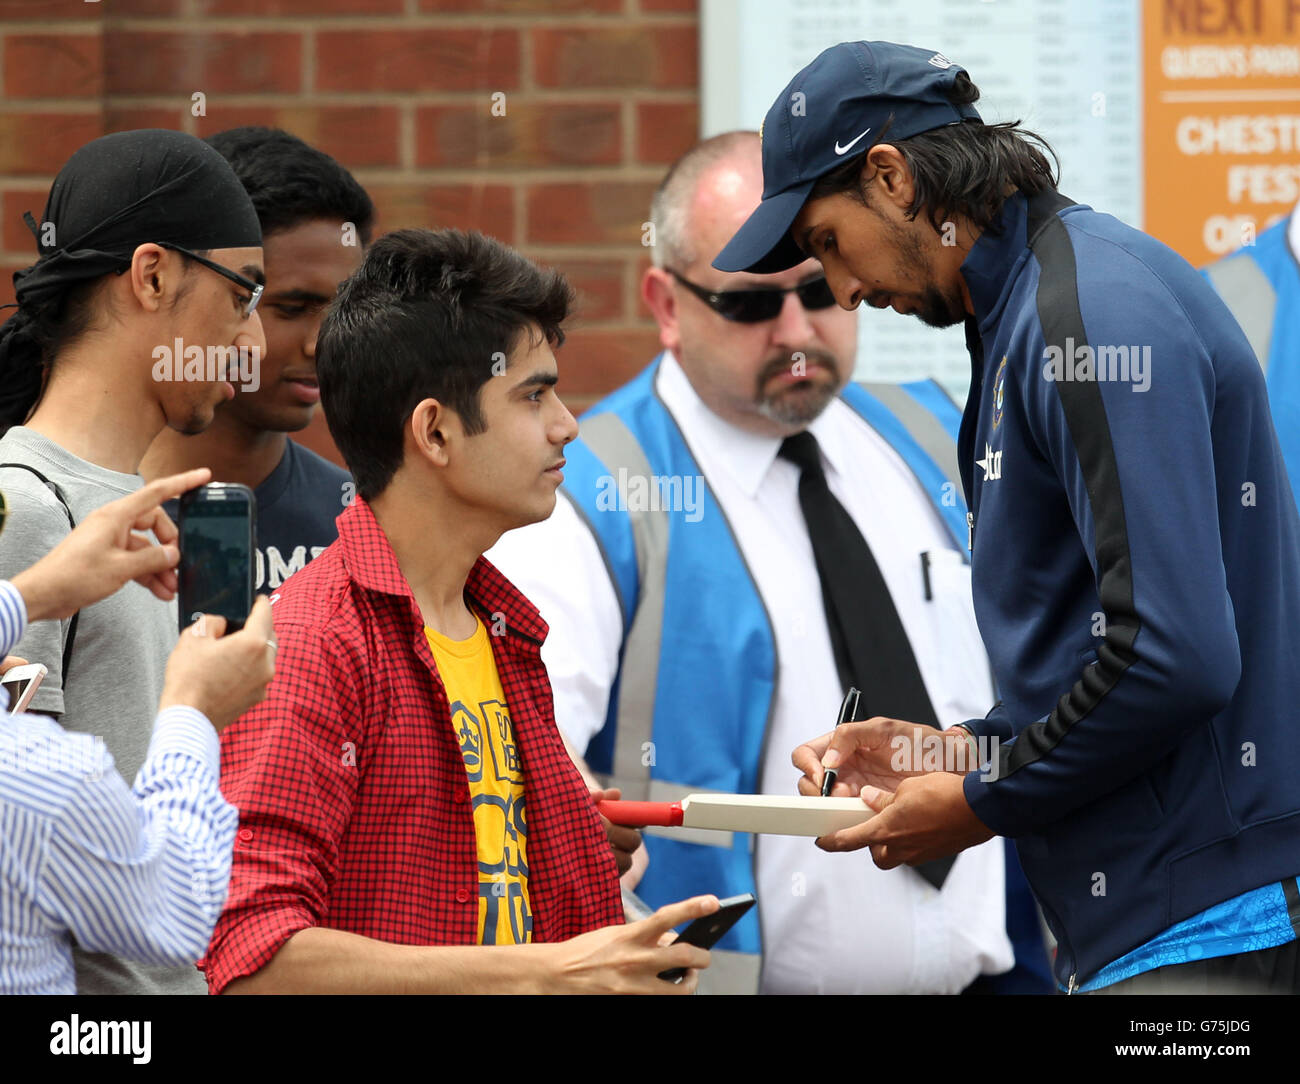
[(216, 533), (222, 675), (708, 931), (21, 683)]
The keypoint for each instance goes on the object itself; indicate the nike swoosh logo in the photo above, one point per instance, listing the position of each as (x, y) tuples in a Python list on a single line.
[(847, 146)]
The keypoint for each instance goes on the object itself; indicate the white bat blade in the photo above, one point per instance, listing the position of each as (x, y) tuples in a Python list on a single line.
[(772, 814)]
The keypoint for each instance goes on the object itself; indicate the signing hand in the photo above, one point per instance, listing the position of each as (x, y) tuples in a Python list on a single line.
[(879, 753), (925, 818)]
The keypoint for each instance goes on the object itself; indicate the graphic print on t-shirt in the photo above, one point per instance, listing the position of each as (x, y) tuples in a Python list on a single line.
[(480, 720)]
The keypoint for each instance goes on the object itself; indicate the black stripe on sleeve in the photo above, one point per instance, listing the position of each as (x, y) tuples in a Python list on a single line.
[(1085, 417)]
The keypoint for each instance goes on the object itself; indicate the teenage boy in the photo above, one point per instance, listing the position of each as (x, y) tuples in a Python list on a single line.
[(383, 843)]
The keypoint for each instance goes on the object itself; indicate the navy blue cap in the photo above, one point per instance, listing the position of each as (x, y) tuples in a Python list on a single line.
[(830, 112)]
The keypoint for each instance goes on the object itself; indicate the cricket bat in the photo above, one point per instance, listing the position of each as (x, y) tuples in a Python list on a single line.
[(762, 813)]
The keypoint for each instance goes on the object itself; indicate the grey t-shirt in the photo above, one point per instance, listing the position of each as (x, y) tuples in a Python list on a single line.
[(119, 653)]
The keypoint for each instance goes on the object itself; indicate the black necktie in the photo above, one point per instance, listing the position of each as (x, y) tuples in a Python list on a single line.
[(871, 648)]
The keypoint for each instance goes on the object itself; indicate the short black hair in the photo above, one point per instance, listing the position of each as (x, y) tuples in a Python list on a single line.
[(429, 314), (291, 182), (961, 169)]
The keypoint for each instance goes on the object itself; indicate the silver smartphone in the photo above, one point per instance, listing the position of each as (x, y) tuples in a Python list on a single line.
[(21, 683)]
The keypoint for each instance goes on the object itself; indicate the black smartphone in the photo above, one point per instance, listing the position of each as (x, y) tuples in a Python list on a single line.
[(708, 931), (217, 524)]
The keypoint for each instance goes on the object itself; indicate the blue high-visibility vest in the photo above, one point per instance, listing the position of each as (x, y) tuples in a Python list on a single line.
[(690, 707)]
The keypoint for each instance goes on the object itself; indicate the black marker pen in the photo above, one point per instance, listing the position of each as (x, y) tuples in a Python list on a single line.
[(848, 710)]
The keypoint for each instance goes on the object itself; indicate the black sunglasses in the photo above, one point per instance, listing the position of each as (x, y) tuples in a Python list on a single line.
[(755, 306), (248, 305)]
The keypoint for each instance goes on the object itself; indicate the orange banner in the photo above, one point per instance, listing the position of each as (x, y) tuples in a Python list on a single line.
[(1221, 121)]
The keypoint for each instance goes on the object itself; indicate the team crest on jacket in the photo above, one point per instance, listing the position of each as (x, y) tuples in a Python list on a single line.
[(999, 391)]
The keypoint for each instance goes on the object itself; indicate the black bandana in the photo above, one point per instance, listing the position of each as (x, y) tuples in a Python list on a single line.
[(115, 194)]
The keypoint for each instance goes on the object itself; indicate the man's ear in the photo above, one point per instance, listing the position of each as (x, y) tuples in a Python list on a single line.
[(888, 176), (154, 273), (428, 430), (657, 293)]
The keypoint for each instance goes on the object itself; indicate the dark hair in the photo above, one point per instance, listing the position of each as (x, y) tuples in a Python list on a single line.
[(52, 325), (291, 182), (962, 169), (427, 315)]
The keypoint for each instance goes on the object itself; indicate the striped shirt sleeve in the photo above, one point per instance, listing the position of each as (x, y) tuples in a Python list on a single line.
[(13, 617), (144, 873)]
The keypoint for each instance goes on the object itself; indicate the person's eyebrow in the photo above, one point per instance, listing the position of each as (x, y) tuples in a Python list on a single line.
[(539, 379), (308, 296), (255, 273)]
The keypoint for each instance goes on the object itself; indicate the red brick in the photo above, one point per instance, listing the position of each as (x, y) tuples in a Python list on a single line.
[(688, 6), (144, 7), (17, 237), (520, 7), (125, 118), (625, 56), (666, 130), (603, 212), (53, 65), (43, 142), (48, 10), (529, 134), (399, 205), (599, 285), (403, 60), (358, 136), (594, 361), (486, 208), (300, 7), (163, 62)]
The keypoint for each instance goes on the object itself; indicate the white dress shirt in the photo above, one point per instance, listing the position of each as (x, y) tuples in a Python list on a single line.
[(831, 923)]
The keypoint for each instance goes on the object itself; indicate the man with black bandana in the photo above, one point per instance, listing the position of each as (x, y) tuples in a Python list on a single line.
[(316, 220), (149, 248)]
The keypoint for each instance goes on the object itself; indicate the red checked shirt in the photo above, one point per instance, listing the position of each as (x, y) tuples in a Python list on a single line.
[(354, 804)]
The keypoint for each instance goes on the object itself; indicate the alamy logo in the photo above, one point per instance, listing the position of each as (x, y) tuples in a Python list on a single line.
[(1104, 364), (630, 492), (77, 1036), (240, 365)]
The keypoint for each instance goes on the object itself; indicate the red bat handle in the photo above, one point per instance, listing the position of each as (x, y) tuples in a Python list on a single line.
[(640, 814)]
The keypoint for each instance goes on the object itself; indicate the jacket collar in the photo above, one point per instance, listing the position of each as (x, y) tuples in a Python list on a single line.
[(370, 563), (990, 265)]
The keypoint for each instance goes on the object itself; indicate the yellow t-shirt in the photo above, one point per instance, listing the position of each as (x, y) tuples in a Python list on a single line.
[(481, 720)]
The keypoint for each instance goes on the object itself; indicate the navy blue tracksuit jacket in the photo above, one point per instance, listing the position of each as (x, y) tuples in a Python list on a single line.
[(1136, 570)]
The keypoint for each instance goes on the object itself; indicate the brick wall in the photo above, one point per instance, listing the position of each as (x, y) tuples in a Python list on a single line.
[(599, 96)]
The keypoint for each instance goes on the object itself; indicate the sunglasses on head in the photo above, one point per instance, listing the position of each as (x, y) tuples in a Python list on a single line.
[(755, 306)]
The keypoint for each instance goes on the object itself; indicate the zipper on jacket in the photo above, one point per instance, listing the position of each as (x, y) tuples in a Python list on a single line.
[(970, 531), (1058, 931)]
